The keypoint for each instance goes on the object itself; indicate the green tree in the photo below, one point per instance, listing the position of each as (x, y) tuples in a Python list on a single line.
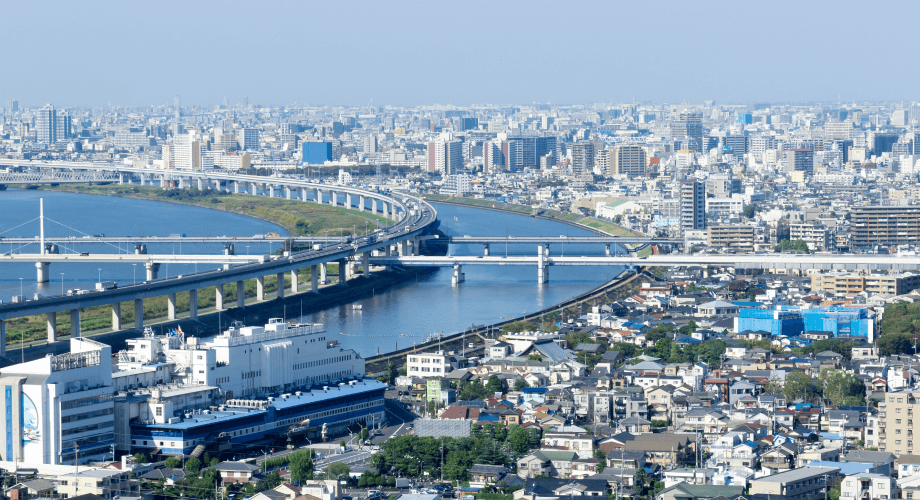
[(192, 465), (898, 343), (518, 439), (301, 465), (141, 458), (172, 463), (750, 210), (519, 385), (493, 385), (798, 385), (843, 388), (337, 470), (688, 328)]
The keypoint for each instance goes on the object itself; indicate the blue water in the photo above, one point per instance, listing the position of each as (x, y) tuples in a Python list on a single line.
[(70, 214), (396, 317)]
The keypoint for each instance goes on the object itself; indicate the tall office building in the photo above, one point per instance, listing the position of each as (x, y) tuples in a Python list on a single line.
[(582, 157), (692, 205), (249, 138), (737, 143), (513, 153), (880, 142), (12, 107), (630, 161), (689, 130), (800, 160), (838, 130), (884, 225), (51, 126), (445, 156)]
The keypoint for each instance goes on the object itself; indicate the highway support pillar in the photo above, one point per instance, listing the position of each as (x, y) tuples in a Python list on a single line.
[(240, 294), (193, 304), (546, 249), (139, 314), (152, 269), (74, 323), (314, 278), (236, 187), (373, 205), (271, 191), (42, 271), (294, 284), (200, 184), (116, 316), (121, 179), (333, 198), (343, 268), (542, 269), (361, 203), (287, 192), (279, 278), (459, 276), (348, 201), (607, 250), (303, 194), (171, 306), (322, 273), (219, 297), (52, 327), (2, 337), (254, 188), (260, 288), (485, 250), (217, 185), (319, 197), (366, 264)]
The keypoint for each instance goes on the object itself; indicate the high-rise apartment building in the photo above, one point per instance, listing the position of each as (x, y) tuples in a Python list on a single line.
[(513, 152), (445, 156), (630, 161), (12, 107), (880, 142), (183, 152), (316, 153), (249, 138), (688, 128), (492, 157), (51, 126), (800, 160), (897, 422), (838, 130), (884, 225), (582, 157), (370, 144), (692, 205)]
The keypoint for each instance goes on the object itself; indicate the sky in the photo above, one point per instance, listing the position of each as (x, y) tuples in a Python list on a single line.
[(408, 53)]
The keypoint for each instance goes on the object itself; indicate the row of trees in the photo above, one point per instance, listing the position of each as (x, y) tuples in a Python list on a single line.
[(836, 387)]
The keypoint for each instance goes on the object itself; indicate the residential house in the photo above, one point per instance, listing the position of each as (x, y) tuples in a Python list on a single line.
[(688, 475), (795, 484), (484, 475), (236, 472), (868, 485), (685, 491)]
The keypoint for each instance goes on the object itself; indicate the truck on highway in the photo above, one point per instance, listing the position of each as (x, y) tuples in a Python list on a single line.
[(106, 285)]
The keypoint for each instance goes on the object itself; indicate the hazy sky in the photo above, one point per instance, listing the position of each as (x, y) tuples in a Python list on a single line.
[(457, 52)]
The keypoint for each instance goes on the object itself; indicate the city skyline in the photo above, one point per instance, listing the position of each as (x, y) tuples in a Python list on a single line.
[(426, 54)]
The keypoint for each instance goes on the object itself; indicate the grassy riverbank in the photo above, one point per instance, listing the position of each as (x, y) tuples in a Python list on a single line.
[(299, 218)]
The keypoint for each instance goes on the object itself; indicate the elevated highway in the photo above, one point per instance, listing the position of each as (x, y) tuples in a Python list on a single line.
[(412, 217)]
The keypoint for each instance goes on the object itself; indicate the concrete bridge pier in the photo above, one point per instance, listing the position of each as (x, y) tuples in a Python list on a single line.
[(542, 269), (303, 195), (152, 269), (236, 187), (139, 314), (319, 197), (217, 184), (279, 278), (271, 191), (252, 186), (343, 266), (193, 304), (74, 323), (219, 297), (485, 250), (260, 288), (287, 192), (366, 264), (333, 198), (404, 248), (314, 278), (240, 294), (546, 249), (348, 201), (373, 205), (322, 273), (294, 284), (52, 327), (121, 179), (361, 203), (607, 250), (163, 181), (229, 249), (171, 306), (459, 276), (200, 184), (140, 249), (42, 269), (2, 337), (116, 316)]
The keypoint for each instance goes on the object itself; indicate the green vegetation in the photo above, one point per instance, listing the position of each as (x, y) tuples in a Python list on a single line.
[(843, 388), (797, 246), (799, 385), (297, 217)]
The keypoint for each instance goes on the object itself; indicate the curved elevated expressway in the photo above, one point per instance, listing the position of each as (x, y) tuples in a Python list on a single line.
[(413, 218)]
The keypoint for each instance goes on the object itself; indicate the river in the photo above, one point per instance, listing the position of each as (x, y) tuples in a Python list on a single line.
[(401, 315)]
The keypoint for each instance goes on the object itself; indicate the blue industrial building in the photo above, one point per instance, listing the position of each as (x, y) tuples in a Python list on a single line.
[(840, 321), (316, 153), (323, 410), (776, 321)]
